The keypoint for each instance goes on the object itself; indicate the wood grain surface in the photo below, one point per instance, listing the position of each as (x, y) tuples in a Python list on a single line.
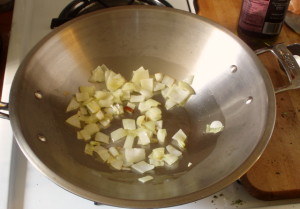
[(276, 175)]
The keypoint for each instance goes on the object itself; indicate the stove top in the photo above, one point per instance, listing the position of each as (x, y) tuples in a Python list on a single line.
[(22, 186)]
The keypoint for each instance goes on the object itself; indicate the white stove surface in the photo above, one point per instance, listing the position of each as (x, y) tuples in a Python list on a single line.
[(22, 186)]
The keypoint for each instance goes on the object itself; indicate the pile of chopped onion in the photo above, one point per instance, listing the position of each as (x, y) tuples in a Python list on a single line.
[(97, 108)]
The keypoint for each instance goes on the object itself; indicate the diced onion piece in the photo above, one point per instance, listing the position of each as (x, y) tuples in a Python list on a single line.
[(92, 128), (74, 121), (214, 127), (79, 136), (94, 143), (133, 155), (113, 151), (179, 135), (189, 80), (87, 89), (142, 167), (158, 77), (129, 141), (140, 120), (190, 164), (152, 103), (105, 122), (106, 102), (158, 153), (102, 95), (81, 97), (186, 86), (131, 105), (101, 137), (154, 114), (143, 138), (139, 74), (83, 111), (99, 115), (169, 104), (156, 163), (103, 154), (116, 164), (89, 149), (128, 86), (147, 94), (137, 98), (147, 84), (161, 135), (118, 134), (73, 105), (165, 92), (170, 159), (145, 179), (158, 86), (93, 106), (114, 81), (159, 124), (172, 150), (150, 125), (178, 94), (168, 81), (129, 124), (97, 75)]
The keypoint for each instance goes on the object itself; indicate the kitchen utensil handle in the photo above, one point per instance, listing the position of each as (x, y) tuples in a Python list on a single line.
[(288, 63), (4, 106)]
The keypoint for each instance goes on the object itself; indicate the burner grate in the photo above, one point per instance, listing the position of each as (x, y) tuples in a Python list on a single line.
[(79, 7)]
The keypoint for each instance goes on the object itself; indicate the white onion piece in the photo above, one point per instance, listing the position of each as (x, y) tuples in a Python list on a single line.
[(103, 154), (101, 137), (81, 97), (214, 127), (74, 121), (137, 98), (118, 134), (116, 163), (170, 159), (145, 179), (129, 141), (97, 75), (129, 124), (143, 138), (133, 155), (189, 79), (154, 114), (168, 81), (73, 105), (113, 151), (139, 74), (172, 150), (158, 77), (87, 89), (147, 84), (142, 167), (161, 135)]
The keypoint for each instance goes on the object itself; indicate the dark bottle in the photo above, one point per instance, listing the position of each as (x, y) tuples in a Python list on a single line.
[(260, 21)]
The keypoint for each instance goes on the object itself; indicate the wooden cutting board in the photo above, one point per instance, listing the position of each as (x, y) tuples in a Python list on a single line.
[(276, 175)]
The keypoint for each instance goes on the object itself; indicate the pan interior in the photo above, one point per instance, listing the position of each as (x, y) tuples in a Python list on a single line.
[(231, 86)]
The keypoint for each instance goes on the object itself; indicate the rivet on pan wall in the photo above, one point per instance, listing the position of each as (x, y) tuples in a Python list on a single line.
[(38, 95), (233, 68), (249, 100), (42, 138)]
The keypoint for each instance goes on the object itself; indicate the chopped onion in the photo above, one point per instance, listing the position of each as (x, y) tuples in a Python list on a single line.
[(158, 77), (140, 74), (143, 138), (172, 150), (168, 81), (87, 89), (137, 98), (142, 167), (118, 134), (154, 114), (214, 127), (101, 137), (145, 179), (81, 97), (170, 159), (97, 75), (133, 155), (161, 135), (73, 105), (147, 84), (129, 141), (74, 121), (129, 124), (113, 151)]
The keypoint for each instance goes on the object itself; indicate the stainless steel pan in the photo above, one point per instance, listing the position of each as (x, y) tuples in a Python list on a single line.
[(231, 85)]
